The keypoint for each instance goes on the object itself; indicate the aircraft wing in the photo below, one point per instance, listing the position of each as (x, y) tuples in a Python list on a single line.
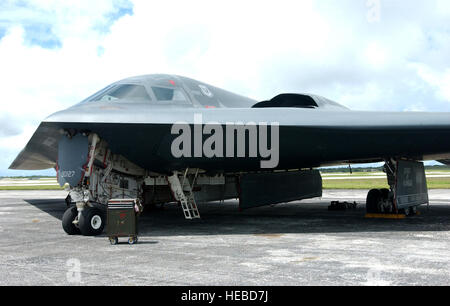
[(307, 137), (135, 117), (41, 152)]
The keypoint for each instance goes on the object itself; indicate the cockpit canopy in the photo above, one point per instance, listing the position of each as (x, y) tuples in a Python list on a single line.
[(169, 90), (139, 93), (177, 91), (122, 91)]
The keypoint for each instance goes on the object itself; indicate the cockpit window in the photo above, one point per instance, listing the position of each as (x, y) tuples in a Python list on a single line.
[(123, 91), (169, 94), (205, 95)]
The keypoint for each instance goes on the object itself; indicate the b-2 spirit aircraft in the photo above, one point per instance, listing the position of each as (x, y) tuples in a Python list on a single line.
[(166, 138)]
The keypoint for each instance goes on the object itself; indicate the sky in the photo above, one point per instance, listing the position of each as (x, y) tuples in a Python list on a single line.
[(365, 54)]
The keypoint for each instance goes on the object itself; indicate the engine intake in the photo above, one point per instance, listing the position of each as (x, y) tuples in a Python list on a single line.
[(288, 100)]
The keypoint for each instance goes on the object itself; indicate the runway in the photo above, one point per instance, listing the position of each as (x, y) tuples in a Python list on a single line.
[(301, 243)]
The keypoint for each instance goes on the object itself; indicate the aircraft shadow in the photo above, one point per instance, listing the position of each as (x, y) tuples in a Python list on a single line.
[(309, 216), (53, 207)]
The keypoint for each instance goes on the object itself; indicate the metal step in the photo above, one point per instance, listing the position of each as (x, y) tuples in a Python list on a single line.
[(184, 194)]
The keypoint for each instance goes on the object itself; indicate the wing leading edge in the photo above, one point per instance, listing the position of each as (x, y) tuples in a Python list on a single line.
[(314, 131), (41, 151)]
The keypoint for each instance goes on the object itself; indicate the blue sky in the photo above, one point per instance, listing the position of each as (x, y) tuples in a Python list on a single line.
[(39, 30), (41, 35), (368, 55)]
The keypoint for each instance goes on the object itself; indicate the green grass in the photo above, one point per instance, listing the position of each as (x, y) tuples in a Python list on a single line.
[(343, 174), (377, 183), (350, 175), (364, 184), (355, 184), (37, 187)]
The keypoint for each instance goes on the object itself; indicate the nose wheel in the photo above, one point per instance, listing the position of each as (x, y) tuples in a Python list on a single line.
[(70, 215), (92, 221)]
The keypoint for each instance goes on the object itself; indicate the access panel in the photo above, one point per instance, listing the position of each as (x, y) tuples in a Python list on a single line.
[(411, 185), (260, 189)]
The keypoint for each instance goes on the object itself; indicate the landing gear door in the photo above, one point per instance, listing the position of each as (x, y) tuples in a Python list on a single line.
[(411, 185), (72, 158)]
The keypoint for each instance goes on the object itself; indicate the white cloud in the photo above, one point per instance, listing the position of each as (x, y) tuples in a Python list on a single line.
[(440, 80), (256, 48), (376, 56)]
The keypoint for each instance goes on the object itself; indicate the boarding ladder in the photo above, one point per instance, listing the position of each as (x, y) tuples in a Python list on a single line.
[(184, 194)]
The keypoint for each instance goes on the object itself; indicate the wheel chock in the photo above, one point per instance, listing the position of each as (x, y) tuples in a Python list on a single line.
[(385, 216)]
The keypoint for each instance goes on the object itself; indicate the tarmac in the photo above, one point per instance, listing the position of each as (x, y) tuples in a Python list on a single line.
[(300, 243)]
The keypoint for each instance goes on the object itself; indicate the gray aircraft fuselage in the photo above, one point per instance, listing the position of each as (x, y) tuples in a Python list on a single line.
[(135, 117)]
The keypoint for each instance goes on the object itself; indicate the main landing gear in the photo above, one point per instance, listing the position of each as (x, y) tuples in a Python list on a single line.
[(408, 190), (380, 201)]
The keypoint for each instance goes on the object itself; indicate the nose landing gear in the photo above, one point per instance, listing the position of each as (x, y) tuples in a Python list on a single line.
[(90, 222)]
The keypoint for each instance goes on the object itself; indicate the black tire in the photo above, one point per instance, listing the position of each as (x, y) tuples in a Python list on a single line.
[(384, 193), (373, 198), (385, 197), (89, 222), (67, 221), (68, 201), (404, 211)]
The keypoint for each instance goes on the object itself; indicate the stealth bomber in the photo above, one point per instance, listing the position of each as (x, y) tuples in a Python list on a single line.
[(166, 138)]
